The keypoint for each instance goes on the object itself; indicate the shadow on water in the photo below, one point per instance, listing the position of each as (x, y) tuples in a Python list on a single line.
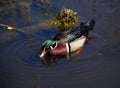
[(97, 66)]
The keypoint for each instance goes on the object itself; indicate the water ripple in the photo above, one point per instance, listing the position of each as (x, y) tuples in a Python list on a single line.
[(25, 52)]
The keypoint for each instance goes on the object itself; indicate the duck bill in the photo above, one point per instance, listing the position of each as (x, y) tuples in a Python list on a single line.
[(42, 54)]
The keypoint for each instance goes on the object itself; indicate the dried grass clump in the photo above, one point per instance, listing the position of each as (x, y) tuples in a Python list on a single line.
[(65, 19)]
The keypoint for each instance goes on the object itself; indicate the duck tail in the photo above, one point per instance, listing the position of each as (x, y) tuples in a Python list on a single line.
[(86, 27)]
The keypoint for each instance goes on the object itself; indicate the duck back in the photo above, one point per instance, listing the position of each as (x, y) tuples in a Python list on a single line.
[(76, 32)]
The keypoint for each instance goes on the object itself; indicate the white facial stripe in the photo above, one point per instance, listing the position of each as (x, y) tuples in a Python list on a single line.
[(51, 47), (56, 44), (54, 47)]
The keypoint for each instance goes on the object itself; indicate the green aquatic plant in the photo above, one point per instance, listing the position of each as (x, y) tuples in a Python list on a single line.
[(65, 19)]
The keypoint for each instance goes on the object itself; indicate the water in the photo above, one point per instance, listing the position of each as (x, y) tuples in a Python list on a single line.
[(97, 66)]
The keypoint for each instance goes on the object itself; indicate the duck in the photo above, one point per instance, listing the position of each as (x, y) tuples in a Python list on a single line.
[(66, 42)]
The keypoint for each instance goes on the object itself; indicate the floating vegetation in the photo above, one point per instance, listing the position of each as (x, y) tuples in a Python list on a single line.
[(65, 19), (8, 27)]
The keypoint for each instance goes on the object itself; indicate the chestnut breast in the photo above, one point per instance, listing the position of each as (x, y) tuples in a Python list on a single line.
[(60, 49)]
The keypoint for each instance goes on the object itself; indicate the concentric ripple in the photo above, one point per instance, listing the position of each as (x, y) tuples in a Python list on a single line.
[(26, 51)]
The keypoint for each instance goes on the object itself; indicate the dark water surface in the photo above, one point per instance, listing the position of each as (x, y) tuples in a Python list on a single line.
[(97, 66)]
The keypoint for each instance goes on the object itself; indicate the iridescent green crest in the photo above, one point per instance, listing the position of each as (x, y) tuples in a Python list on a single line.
[(47, 42)]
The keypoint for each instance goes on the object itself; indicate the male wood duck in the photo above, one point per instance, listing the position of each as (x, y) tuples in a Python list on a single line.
[(66, 42)]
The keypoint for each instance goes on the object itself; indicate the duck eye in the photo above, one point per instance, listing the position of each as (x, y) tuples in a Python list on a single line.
[(47, 48)]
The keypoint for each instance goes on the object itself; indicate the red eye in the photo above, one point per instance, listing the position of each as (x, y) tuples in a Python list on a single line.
[(47, 46)]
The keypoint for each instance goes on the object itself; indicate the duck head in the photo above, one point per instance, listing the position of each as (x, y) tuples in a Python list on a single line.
[(51, 47), (47, 47)]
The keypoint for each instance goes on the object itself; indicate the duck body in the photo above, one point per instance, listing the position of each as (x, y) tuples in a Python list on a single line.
[(66, 42), (67, 48)]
